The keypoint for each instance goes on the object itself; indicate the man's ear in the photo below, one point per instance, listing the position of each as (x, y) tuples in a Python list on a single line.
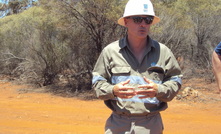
[(125, 21)]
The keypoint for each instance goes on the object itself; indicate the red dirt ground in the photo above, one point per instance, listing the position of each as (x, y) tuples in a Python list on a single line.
[(44, 113)]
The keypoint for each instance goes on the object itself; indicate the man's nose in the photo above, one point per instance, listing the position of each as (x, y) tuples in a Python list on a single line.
[(143, 23)]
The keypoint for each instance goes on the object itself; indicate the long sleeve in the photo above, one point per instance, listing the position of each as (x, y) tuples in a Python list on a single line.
[(172, 79), (101, 78)]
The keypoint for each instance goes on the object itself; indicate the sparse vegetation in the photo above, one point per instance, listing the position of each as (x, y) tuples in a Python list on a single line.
[(58, 42)]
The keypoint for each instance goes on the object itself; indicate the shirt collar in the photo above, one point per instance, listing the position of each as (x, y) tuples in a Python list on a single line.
[(124, 43)]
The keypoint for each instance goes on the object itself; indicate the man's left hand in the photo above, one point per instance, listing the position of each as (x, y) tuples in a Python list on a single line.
[(147, 91)]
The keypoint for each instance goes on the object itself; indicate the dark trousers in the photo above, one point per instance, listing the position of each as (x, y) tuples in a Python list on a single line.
[(149, 124)]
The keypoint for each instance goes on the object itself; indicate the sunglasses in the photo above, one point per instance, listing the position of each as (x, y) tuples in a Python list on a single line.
[(138, 20)]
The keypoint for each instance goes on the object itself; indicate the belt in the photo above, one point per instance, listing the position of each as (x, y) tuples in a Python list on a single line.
[(135, 115)]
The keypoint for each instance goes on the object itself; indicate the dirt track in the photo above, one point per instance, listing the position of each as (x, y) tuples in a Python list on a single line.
[(42, 113)]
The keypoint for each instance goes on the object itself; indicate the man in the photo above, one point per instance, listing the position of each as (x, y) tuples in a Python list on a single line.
[(136, 76), (216, 62)]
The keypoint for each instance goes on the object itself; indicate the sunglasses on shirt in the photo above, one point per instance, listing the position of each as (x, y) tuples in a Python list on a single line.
[(138, 20)]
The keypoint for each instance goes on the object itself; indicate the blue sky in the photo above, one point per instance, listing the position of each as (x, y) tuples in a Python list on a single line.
[(3, 1), (4, 13)]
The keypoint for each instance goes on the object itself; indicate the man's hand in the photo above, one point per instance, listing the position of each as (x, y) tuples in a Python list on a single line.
[(147, 91), (122, 91)]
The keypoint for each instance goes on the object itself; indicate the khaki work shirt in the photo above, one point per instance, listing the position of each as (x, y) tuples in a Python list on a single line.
[(116, 63)]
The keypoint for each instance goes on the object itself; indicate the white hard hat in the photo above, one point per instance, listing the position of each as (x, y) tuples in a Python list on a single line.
[(138, 7)]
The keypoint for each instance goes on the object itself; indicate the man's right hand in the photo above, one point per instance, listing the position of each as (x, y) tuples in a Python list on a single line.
[(122, 91)]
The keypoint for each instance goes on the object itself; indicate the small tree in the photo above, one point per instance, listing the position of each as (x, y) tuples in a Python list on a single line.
[(87, 27)]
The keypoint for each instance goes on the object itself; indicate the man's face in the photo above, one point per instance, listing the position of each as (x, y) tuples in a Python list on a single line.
[(138, 26)]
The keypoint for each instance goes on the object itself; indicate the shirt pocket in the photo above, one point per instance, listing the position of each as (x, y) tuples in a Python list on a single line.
[(120, 70), (120, 74), (156, 73)]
